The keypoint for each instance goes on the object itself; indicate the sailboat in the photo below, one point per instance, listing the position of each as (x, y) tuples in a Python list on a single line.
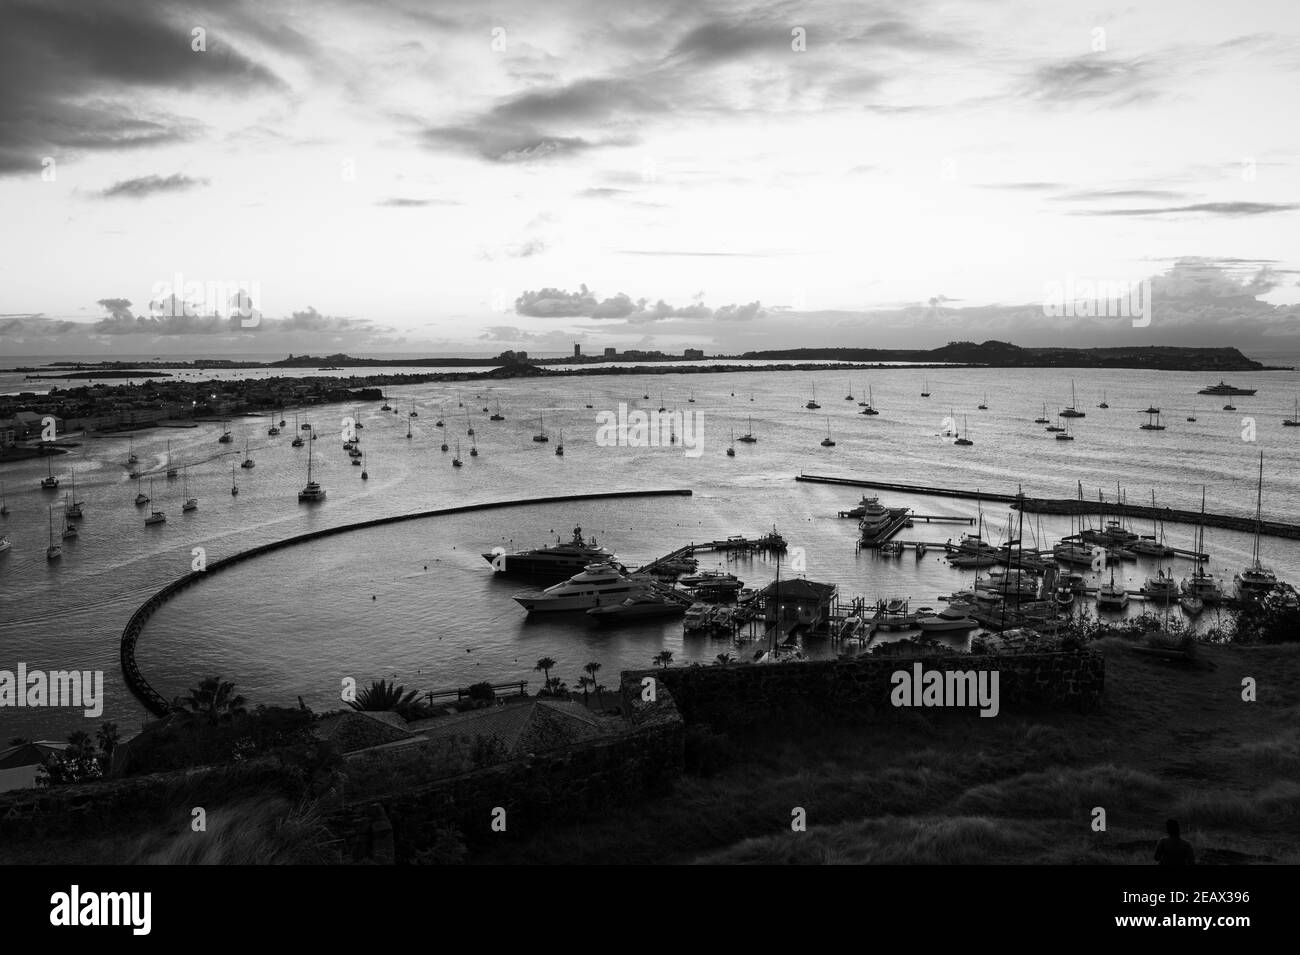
[(131, 456), (226, 436), (171, 470), (234, 487), (365, 475), (155, 516), (191, 503), (964, 440), (1229, 407), (868, 406), (4, 505), (1072, 411), (731, 448), (1043, 419), (1294, 420), (812, 402), (1152, 544), (408, 429), (312, 493), (540, 437), (1192, 416), (69, 528), (54, 551), (272, 430), (500, 417), (689, 401), (1103, 400), (385, 406), (748, 436), (1153, 423), (1112, 596), (983, 405), (297, 441), (439, 423), (72, 507), (1063, 434), (1201, 584), (469, 429), (456, 462), (826, 441), (140, 497), (1256, 580), (662, 406), (925, 391), (849, 396), (589, 405), (248, 459), (559, 446), (473, 447), (51, 482)]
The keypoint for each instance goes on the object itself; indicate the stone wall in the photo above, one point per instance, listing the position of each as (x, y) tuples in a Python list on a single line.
[(735, 695), (558, 786)]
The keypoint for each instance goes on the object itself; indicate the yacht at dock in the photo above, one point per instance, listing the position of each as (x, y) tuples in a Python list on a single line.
[(557, 561)]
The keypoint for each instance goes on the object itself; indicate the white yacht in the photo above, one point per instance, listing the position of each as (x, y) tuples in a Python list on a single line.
[(1112, 596), (948, 619), (875, 518), (597, 586)]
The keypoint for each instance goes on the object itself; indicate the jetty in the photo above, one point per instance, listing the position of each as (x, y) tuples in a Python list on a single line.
[(772, 543), (1070, 505)]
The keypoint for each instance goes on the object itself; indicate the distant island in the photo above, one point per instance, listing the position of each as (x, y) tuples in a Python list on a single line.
[(991, 354)]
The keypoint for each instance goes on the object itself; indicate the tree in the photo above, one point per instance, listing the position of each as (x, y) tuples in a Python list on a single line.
[(544, 665), (214, 700), (592, 669), (107, 736), (586, 683), (383, 697), (663, 658)]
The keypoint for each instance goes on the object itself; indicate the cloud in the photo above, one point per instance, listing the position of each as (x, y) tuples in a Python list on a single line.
[(145, 186), (1088, 195), (556, 303), (1208, 208), (404, 202), (95, 76), (1092, 78)]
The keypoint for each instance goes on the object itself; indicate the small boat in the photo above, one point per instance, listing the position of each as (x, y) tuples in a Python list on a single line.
[(1043, 419), (498, 416), (868, 407), (964, 440), (1229, 407), (4, 544), (1192, 416), (1064, 434), (1191, 604), (408, 429), (983, 405), (827, 442), (456, 461), (191, 503), (1103, 400), (1112, 596), (1294, 420), (226, 436), (72, 507), (273, 430), (444, 446), (731, 448), (356, 460), (155, 516), (849, 396), (54, 551), (1153, 422), (248, 459), (312, 492), (559, 446), (925, 390), (385, 406), (473, 447), (50, 482), (748, 436), (365, 475), (890, 549), (140, 497), (541, 437), (297, 441), (948, 619)]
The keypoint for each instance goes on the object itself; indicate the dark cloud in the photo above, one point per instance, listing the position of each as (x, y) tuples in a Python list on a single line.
[(1206, 208), (556, 303), (403, 202), (505, 145), (1092, 78), (145, 186), (72, 73)]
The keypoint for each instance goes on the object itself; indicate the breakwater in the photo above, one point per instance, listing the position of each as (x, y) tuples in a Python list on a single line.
[(159, 705), (1069, 505)]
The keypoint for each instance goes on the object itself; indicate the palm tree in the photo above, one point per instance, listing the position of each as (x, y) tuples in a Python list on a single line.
[(107, 737), (663, 658), (383, 696), (545, 664), (214, 699), (586, 683), (592, 669), (722, 659)]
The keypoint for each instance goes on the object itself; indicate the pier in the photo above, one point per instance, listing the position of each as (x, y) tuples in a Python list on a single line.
[(1069, 505), (766, 543)]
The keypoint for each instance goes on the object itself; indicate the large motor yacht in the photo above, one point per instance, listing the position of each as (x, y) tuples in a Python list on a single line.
[(597, 585), (558, 561)]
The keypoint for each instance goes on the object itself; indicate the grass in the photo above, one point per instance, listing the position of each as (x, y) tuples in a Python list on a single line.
[(1173, 738)]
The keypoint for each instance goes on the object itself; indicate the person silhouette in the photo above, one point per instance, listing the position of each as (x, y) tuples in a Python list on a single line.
[(1173, 849)]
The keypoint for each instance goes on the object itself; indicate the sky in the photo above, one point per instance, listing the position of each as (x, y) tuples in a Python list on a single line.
[(475, 175)]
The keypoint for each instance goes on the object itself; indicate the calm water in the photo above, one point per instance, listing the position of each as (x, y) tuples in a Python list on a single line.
[(298, 621)]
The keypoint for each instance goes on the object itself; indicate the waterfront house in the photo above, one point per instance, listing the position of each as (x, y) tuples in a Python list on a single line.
[(799, 602)]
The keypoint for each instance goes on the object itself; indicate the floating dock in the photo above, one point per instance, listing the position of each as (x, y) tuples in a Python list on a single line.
[(1046, 505)]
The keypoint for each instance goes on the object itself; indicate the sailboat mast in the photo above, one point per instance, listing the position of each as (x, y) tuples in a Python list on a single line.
[(1259, 503)]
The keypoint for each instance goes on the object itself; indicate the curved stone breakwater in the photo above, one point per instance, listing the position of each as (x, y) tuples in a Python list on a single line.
[(159, 705)]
